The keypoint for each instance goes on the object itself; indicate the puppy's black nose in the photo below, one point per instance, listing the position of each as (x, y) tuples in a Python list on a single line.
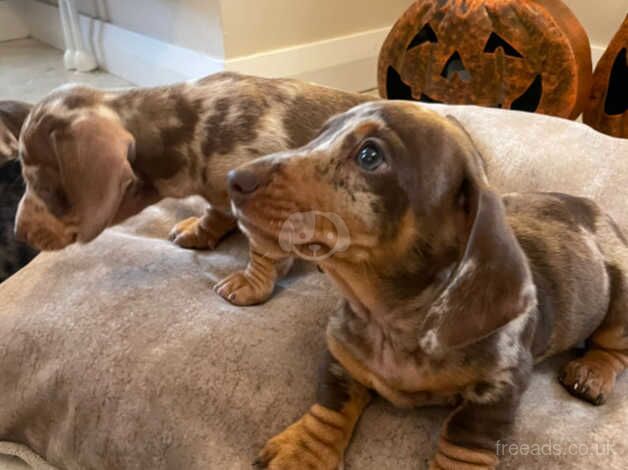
[(242, 182)]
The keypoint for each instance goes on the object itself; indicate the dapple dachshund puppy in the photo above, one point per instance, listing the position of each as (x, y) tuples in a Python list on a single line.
[(452, 292), (93, 158), (13, 254)]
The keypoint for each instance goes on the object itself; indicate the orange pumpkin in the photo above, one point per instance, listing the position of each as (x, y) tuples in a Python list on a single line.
[(529, 55), (607, 109)]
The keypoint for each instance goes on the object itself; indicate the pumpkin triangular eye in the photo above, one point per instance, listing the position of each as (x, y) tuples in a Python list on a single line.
[(426, 34), (495, 41)]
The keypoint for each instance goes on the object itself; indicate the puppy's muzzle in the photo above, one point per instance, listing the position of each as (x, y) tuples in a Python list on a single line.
[(35, 225)]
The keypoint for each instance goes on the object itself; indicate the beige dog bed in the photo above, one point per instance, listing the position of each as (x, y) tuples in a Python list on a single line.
[(118, 355)]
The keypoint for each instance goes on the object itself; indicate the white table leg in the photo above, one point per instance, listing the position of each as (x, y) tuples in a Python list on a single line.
[(68, 57), (76, 55)]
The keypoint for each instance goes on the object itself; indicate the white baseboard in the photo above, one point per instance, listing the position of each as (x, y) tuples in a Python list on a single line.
[(348, 62), (11, 25)]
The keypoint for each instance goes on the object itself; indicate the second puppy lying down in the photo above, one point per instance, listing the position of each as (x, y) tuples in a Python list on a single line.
[(93, 158), (452, 292)]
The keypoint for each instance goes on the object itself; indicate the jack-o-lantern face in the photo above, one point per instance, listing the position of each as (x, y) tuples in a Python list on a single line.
[(530, 56), (607, 110)]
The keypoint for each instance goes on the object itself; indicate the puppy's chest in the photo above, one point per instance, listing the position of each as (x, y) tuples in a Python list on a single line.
[(394, 365)]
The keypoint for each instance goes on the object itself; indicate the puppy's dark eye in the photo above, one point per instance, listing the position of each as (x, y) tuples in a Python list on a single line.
[(369, 157)]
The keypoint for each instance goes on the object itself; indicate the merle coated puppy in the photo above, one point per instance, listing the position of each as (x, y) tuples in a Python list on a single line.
[(452, 291), (92, 158)]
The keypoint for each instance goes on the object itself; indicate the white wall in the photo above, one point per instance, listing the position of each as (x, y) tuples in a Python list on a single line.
[(253, 26), (334, 42), (601, 18), (236, 28), (193, 24), (11, 25)]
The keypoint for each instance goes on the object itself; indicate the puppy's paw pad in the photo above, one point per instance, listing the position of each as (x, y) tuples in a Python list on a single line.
[(241, 289), (588, 380), (189, 234)]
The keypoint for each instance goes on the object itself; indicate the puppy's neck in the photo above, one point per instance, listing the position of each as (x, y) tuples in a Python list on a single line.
[(163, 122), (401, 289)]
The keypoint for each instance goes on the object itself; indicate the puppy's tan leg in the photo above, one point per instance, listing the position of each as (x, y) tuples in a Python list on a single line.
[(202, 233), (592, 377), (256, 283), (472, 435), (319, 439)]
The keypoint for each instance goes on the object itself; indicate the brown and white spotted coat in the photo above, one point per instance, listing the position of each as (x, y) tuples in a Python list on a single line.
[(92, 158), (452, 292)]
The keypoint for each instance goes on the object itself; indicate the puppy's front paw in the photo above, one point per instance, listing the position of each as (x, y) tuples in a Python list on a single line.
[(189, 234), (588, 380), (297, 449), (241, 288), (450, 456)]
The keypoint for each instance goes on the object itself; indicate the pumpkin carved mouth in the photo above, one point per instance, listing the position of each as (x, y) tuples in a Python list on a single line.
[(529, 100)]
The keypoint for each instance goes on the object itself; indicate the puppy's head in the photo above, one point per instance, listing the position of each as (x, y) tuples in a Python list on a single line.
[(75, 157), (404, 190)]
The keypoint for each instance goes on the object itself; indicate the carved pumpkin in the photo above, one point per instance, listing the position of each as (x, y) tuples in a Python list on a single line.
[(607, 110), (529, 55)]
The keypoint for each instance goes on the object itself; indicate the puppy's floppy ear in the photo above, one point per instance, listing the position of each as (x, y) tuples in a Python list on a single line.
[(12, 117), (492, 284), (93, 154), (471, 147)]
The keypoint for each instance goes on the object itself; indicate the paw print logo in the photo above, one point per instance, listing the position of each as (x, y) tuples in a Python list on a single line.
[(298, 235)]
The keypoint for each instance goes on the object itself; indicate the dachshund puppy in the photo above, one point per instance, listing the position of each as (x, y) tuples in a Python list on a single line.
[(451, 292), (13, 254), (93, 158)]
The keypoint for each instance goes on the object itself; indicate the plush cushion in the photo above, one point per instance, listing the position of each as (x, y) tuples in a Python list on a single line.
[(118, 355)]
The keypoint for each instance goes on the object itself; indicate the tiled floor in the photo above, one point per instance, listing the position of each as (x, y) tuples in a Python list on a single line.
[(30, 69)]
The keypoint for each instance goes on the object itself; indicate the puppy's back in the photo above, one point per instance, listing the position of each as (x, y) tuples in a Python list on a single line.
[(574, 249)]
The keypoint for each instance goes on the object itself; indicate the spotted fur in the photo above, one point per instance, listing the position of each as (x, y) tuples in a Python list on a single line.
[(451, 290), (93, 158)]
